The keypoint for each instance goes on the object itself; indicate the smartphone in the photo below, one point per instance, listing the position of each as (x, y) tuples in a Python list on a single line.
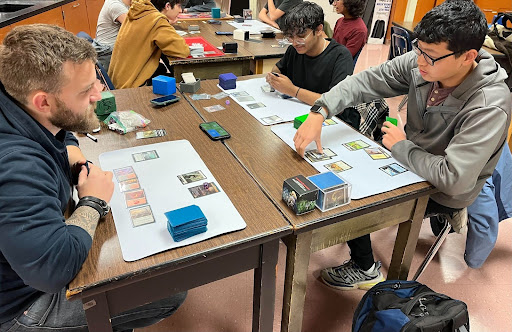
[(214, 22), (165, 100), (275, 74), (225, 33), (214, 130)]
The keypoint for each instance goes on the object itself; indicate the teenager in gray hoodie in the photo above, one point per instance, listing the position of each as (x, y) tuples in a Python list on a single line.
[(457, 119)]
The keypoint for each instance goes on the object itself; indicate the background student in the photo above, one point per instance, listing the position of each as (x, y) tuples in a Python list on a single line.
[(192, 6), (145, 35), (350, 29), (314, 64), (275, 11)]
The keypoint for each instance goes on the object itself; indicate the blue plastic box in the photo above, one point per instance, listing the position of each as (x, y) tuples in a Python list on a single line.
[(334, 191), (227, 81), (164, 85)]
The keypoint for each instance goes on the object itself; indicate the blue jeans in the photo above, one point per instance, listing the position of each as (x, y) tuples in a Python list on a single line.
[(54, 313)]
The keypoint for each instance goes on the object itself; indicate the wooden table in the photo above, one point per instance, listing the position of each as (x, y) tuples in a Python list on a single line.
[(270, 161), (107, 285), (265, 55), (211, 67), (409, 26), (260, 56)]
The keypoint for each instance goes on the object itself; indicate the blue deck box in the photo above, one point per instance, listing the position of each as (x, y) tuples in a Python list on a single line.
[(164, 85), (227, 81)]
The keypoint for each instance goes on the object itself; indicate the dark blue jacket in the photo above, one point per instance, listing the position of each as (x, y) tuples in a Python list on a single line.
[(38, 251)]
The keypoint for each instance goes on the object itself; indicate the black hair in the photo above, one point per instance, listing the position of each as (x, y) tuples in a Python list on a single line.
[(460, 23), (355, 8), (305, 15), (160, 4)]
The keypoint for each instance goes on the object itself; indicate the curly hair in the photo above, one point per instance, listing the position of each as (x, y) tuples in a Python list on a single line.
[(460, 23), (306, 15), (355, 8)]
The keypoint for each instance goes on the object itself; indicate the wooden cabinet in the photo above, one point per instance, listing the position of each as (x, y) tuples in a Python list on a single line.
[(93, 11), (75, 17), (53, 16), (3, 32)]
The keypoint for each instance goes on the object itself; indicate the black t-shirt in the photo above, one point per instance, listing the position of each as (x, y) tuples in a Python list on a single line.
[(318, 74), (285, 6)]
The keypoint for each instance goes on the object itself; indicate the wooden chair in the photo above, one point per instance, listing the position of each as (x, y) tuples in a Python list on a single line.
[(224, 5), (510, 136)]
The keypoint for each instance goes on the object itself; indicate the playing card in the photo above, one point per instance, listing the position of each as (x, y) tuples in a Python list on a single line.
[(128, 185), (329, 122), (256, 105), (220, 95), (146, 155), (135, 197), (315, 156), (200, 96), (214, 108), (125, 173), (150, 133), (377, 153), (393, 169), (191, 177), (272, 119), (204, 189), (338, 166), (239, 94), (141, 216), (244, 99), (356, 145)]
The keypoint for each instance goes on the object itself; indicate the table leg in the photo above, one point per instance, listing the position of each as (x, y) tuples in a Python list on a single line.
[(97, 313), (406, 240), (265, 288), (297, 262)]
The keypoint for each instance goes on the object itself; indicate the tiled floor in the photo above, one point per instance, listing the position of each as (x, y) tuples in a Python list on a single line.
[(226, 305)]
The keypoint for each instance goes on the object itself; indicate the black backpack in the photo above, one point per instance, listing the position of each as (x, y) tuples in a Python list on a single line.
[(409, 306)]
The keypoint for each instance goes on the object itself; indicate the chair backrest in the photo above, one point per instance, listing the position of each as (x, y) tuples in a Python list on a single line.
[(327, 29), (224, 5), (510, 136), (400, 42), (356, 56)]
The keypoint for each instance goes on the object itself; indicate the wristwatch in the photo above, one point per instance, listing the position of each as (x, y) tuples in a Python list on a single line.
[(98, 204), (320, 110)]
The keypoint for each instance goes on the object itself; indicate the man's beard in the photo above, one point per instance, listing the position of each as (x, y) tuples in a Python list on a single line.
[(66, 119)]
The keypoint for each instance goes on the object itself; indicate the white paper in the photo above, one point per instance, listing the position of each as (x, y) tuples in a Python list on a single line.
[(365, 176), (165, 192), (286, 109), (253, 26)]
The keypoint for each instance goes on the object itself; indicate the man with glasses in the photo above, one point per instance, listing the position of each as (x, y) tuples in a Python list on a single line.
[(311, 65), (457, 119)]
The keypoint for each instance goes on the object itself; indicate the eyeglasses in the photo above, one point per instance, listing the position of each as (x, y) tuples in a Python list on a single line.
[(298, 41), (430, 60)]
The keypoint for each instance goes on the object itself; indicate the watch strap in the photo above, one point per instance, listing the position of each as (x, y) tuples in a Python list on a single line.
[(321, 111), (98, 204)]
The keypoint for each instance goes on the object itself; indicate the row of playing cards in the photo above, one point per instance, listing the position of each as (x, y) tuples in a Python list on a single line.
[(207, 188), (134, 196)]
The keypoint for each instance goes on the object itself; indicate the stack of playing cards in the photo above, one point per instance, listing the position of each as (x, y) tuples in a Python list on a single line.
[(196, 50), (186, 222)]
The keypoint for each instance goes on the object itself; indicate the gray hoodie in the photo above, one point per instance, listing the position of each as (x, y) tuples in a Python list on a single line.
[(455, 145)]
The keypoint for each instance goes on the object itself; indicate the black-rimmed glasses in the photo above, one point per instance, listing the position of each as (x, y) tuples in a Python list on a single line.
[(430, 60)]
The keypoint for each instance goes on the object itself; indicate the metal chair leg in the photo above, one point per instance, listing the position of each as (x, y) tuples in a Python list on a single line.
[(433, 250)]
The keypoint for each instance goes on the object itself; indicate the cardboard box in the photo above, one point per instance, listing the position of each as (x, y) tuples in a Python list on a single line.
[(333, 191), (241, 34), (300, 194), (380, 20)]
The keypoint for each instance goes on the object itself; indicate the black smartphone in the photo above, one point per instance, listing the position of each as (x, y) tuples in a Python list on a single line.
[(225, 33), (165, 100), (214, 130)]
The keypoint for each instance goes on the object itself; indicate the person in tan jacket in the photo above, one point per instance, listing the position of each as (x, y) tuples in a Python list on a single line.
[(145, 34)]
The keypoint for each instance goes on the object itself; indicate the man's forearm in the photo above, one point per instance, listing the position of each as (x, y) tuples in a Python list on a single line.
[(86, 218)]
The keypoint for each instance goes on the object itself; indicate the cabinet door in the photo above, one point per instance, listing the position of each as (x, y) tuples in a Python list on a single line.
[(53, 16), (75, 17), (3, 32), (93, 11)]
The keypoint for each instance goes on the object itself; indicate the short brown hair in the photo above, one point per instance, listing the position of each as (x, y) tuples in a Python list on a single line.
[(32, 56)]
